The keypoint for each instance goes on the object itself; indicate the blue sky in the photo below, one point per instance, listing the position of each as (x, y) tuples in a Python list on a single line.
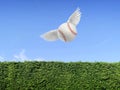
[(23, 21)]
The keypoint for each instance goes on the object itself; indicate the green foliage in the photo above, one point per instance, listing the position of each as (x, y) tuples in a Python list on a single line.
[(59, 76)]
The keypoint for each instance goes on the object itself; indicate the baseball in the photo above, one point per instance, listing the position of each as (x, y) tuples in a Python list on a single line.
[(67, 32)]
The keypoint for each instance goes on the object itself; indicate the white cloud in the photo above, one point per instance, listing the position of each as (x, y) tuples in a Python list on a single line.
[(2, 58), (39, 59), (21, 56)]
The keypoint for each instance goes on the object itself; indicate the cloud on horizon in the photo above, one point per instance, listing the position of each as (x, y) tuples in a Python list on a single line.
[(2, 58), (21, 56)]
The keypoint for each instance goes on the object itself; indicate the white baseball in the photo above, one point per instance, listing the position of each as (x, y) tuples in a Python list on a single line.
[(65, 32)]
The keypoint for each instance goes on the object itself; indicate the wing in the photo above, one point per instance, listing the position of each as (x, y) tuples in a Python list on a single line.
[(50, 36), (75, 17)]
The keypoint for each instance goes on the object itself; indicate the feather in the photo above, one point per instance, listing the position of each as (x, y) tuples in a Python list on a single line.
[(75, 17), (50, 36)]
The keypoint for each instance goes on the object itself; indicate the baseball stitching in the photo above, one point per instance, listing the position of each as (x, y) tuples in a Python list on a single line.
[(62, 35), (71, 29), (74, 33)]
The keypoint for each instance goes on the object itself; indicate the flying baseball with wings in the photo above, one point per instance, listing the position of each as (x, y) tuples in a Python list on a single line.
[(66, 31)]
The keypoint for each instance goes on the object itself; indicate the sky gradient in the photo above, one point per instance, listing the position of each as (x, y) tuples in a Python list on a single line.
[(23, 21)]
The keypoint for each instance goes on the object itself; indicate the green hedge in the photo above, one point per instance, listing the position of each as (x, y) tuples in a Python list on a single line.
[(59, 76)]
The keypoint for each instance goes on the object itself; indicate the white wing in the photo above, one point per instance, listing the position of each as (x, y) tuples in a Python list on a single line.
[(75, 17), (50, 36)]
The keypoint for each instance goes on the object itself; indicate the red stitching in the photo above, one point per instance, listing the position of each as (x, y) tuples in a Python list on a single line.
[(62, 35), (71, 29)]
